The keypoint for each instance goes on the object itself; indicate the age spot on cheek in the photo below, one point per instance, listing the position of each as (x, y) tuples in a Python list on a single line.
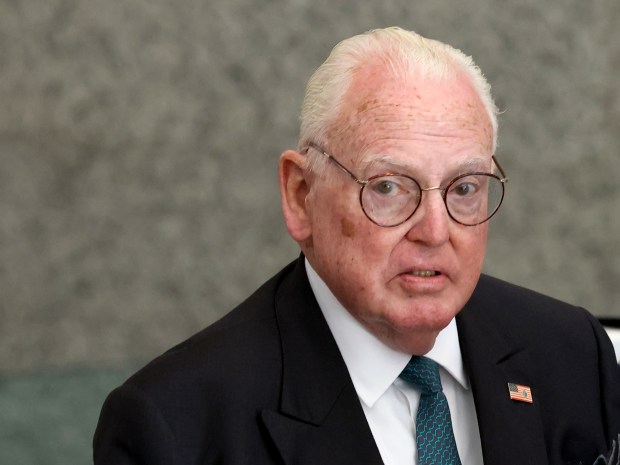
[(347, 228)]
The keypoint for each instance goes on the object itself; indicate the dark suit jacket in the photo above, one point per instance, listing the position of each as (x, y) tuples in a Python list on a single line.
[(267, 385)]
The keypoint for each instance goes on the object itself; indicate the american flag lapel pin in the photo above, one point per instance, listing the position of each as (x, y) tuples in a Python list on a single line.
[(520, 393)]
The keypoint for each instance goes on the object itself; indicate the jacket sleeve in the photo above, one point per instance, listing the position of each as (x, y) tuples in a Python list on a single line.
[(609, 382), (132, 431)]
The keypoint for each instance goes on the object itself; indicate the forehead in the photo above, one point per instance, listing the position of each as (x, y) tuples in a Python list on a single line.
[(381, 111)]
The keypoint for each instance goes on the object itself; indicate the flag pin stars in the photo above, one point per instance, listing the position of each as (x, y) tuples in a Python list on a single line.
[(520, 393)]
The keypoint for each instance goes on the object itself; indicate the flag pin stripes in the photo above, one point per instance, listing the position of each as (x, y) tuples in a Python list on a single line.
[(520, 393)]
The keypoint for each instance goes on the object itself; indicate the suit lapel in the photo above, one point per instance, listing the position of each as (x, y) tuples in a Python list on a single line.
[(320, 418), (511, 431)]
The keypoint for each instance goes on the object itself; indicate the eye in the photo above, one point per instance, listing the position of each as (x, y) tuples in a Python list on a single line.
[(392, 188), (465, 188), (386, 187)]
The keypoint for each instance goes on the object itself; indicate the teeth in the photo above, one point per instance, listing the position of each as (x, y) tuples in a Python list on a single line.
[(424, 274)]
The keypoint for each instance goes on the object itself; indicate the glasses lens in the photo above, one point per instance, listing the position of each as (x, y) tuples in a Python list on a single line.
[(389, 200), (473, 199)]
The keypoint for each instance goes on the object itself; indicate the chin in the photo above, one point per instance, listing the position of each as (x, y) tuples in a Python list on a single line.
[(412, 336), (418, 344), (430, 318)]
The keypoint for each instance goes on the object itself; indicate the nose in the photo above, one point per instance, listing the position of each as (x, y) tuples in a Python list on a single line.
[(430, 223)]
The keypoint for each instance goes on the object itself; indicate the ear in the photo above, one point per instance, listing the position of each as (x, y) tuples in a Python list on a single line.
[(294, 189)]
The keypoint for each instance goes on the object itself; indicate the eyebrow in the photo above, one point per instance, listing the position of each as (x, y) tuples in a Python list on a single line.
[(392, 165)]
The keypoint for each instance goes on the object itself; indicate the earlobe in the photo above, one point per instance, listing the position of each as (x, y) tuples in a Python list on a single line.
[(294, 189)]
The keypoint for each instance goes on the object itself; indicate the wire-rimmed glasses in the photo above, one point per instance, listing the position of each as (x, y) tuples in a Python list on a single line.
[(390, 199)]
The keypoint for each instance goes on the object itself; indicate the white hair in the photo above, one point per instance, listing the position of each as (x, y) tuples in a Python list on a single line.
[(404, 53)]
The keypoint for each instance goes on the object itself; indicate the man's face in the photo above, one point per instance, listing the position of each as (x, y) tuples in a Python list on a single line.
[(432, 131)]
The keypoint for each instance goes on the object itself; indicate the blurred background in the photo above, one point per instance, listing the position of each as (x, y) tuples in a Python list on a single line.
[(138, 149)]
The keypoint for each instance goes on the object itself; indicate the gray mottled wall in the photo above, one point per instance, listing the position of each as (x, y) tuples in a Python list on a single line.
[(138, 150)]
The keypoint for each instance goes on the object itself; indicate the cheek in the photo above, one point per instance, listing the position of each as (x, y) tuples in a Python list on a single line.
[(471, 248), (335, 220), (334, 234), (347, 228), (343, 245), (343, 238)]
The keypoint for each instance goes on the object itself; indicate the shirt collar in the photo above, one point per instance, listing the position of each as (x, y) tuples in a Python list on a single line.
[(372, 365)]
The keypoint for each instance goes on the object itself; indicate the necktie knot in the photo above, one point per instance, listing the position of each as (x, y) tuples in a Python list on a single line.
[(423, 373)]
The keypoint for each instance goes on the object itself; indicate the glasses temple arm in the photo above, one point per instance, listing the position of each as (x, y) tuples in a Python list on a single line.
[(504, 177)]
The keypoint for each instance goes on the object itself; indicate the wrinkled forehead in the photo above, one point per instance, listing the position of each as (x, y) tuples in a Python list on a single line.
[(381, 106)]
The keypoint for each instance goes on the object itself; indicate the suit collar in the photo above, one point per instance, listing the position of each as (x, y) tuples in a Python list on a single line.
[(511, 431), (309, 352), (320, 418)]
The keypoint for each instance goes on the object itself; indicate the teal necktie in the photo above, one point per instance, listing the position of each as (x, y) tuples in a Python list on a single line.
[(434, 435)]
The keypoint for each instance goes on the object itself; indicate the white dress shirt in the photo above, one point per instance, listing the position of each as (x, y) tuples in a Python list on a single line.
[(390, 404)]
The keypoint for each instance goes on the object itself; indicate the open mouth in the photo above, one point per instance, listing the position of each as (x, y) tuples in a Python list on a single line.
[(424, 273)]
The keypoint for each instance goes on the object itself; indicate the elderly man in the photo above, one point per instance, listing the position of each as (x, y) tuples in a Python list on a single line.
[(382, 343)]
